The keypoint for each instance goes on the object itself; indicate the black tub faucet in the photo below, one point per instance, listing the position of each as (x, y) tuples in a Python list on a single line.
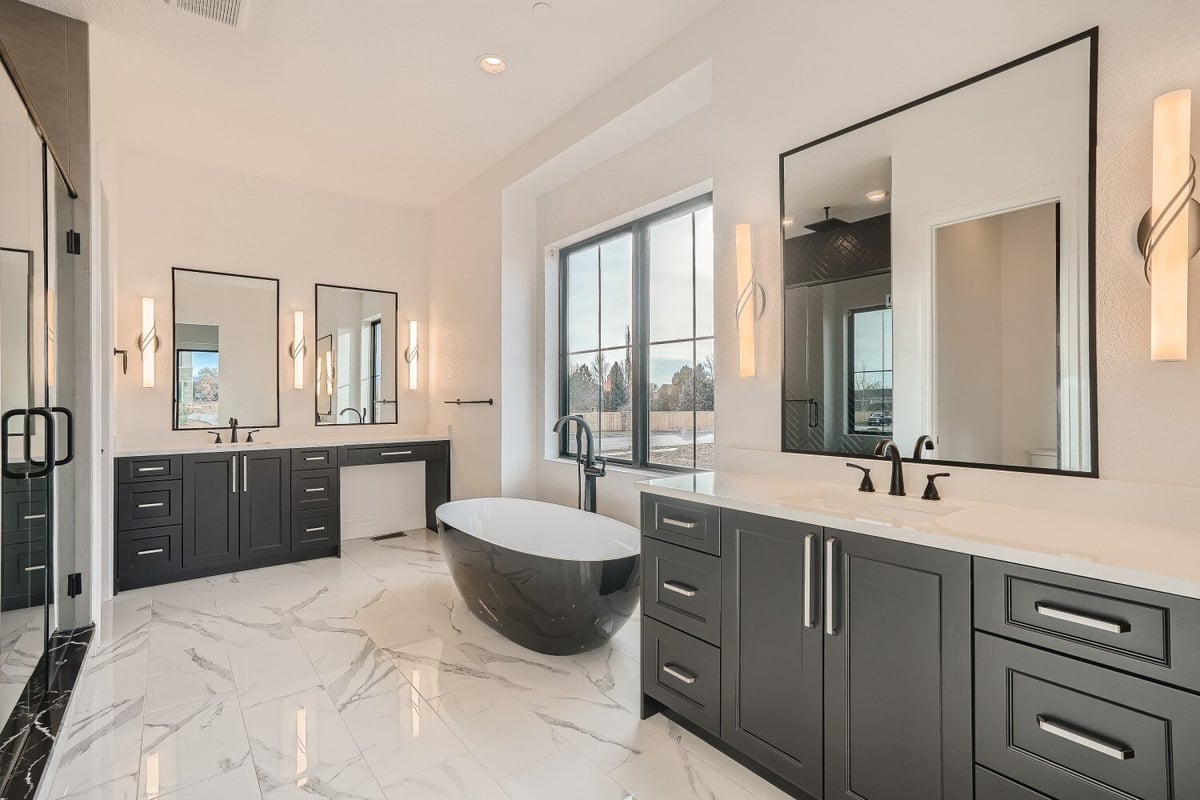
[(590, 467), (888, 449), (924, 442)]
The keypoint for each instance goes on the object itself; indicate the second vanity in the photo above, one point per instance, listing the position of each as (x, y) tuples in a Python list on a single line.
[(857, 645), (182, 515)]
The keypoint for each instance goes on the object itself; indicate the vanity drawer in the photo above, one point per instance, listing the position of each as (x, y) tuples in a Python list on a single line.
[(314, 458), (683, 673), (357, 455), (990, 786), (1136, 630), (22, 575), (147, 556), (316, 488), (149, 468), (315, 528), (149, 505), (1075, 730), (683, 588), (23, 513), (681, 522)]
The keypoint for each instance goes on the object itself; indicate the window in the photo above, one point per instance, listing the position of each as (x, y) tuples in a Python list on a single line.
[(199, 388), (636, 339), (869, 356)]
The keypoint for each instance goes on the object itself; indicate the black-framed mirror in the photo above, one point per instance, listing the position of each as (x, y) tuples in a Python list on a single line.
[(225, 359), (938, 273), (356, 357)]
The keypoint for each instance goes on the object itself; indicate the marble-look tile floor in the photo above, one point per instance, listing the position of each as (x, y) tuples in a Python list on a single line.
[(362, 678)]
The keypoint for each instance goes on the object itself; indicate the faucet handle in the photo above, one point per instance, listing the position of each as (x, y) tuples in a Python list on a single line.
[(931, 491), (216, 434), (867, 485), (250, 435)]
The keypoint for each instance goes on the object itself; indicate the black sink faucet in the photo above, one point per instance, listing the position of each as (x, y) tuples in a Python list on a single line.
[(590, 467), (354, 411), (924, 442), (888, 449), (233, 426)]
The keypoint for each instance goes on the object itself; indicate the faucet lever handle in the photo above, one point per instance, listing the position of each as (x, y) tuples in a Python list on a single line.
[(867, 485), (931, 490), (216, 434), (250, 435)]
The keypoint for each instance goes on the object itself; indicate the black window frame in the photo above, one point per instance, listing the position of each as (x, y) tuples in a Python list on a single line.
[(851, 372), (639, 230)]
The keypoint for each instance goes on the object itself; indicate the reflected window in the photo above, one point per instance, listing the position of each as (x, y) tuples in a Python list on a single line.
[(636, 339), (869, 356), (199, 389)]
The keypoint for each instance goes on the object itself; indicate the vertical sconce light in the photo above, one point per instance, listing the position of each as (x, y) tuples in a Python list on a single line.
[(1169, 234), (296, 350), (752, 298), (412, 353), (148, 342)]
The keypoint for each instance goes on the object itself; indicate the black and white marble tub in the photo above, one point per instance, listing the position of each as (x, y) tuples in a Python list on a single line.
[(551, 578)]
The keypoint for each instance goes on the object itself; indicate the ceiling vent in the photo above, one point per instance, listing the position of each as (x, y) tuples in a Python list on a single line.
[(230, 13)]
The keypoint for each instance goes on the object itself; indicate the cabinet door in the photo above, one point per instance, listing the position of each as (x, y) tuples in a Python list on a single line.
[(210, 509), (266, 524), (771, 694), (897, 671)]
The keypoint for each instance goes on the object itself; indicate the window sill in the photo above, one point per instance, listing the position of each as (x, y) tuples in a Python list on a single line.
[(639, 472)]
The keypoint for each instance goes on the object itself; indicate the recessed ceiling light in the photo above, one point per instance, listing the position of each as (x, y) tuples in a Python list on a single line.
[(542, 8), (789, 221), (493, 65), (877, 196)]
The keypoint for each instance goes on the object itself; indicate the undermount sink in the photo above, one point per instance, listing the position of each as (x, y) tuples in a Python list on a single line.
[(873, 507)]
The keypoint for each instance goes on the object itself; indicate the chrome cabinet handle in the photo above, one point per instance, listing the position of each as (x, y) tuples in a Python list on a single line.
[(246, 474), (679, 588), (679, 674), (314, 530), (1072, 734), (314, 490), (830, 593), (315, 458), (151, 505), (397, 453), (233, 477), (151, 469), (678, 523), (1099, 623), (809, 622), (35, 516), (35, 568), (149, 552)]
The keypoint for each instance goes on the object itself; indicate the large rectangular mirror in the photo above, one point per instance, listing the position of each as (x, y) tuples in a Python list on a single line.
[(937, 265), (355, 356), (226, 342)]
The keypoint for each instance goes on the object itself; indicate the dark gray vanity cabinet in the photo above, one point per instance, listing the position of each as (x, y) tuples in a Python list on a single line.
[(772, 696), (264, 504), (897, 670), (211, 514)]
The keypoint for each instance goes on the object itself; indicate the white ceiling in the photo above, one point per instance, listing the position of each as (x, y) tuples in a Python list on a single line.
[(379, 99)]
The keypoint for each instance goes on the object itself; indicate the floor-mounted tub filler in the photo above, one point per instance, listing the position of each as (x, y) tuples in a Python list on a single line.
[(551, 578)]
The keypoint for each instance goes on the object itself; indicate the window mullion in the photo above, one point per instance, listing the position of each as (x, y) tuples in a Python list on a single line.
[(640, 329)]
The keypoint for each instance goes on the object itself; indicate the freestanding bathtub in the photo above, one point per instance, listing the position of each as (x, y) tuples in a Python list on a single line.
[(551, 578)]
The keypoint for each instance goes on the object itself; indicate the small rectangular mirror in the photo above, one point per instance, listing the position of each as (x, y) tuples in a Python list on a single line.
[(226, 350), (938, 274), (356, 356)]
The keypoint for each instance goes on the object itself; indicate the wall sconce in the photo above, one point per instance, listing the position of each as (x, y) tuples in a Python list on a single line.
[(412, 353), (148, 342), (296, 350), (1169, 233), (752, 297)]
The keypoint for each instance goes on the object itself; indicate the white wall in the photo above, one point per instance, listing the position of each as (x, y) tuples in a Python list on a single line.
[(172, 213), (781, 76)]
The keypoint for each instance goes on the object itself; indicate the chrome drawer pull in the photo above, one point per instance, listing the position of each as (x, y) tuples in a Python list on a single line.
[(151, 469), (1100, 624), (679, 674), (678, 523), (149, 552), (397, 453), (679, 588), (35, 569), (809, 622), (151, 505), (1063, 731), (35, 516), (314, 490), (315, 458), (314, 530)]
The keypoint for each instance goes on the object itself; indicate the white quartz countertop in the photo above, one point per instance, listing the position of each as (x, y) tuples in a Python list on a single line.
[(1153, 557), (265, 441)]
